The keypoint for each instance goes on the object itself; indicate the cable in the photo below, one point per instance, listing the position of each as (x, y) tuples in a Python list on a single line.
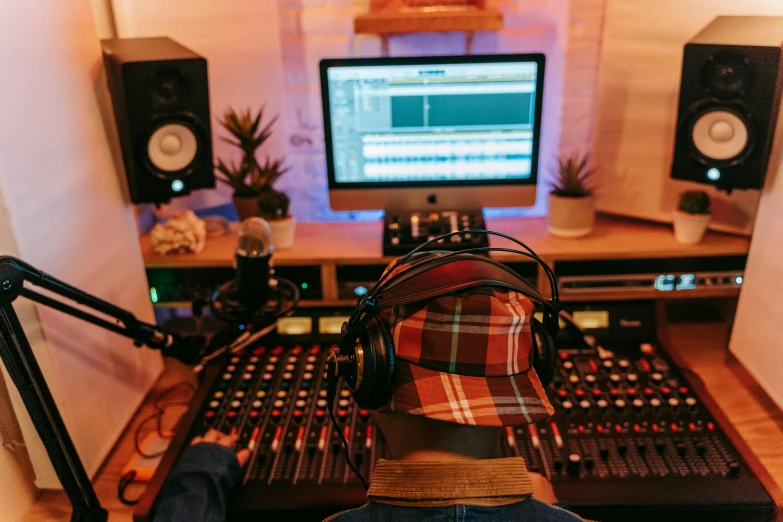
[(226, 306), (347, 450), (160, 410), (126, 480)]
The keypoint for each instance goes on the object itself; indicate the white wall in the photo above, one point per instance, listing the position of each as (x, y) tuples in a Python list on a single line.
[(239, 39), (67, 217), (17, 492), (757, 336)]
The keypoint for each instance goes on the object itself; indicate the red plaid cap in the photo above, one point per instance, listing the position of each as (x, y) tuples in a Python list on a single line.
[(466, 358)]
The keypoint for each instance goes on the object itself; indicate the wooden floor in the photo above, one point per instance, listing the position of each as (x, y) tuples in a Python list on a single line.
[(702, 345)]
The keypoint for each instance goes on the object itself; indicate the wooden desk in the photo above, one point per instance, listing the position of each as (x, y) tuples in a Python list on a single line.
[(701, 345)]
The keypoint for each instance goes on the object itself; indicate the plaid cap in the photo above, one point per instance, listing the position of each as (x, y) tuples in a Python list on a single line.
[(466, 358)]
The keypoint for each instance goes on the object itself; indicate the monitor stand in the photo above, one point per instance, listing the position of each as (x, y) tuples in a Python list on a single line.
[(402, 232)]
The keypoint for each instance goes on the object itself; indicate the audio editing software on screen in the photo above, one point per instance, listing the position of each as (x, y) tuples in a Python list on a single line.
[(432, 122)]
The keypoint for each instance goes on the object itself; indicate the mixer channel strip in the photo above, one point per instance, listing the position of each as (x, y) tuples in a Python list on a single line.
[(275, 398)]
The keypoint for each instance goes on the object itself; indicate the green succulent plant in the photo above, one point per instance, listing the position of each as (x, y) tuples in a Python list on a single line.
[(249, 178), (695, 202), (573, 177)]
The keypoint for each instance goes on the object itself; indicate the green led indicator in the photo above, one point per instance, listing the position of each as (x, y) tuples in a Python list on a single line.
[(304, 286), (154, 295)]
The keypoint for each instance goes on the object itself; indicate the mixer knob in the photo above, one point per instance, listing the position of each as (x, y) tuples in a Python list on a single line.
[(250, 367), (649, 392), (568, 366), (226, 376), (641, 447), (287, 376), (253, 360), (236, 404), (660, 446), (619, 404), (574, 463), (558, 465), (597, 393), (674, 403), (234, 360), (657, 377), (602, 404), (638, 404), (257, 404), (562, 394), (622, 448), (734, 468), (343, 403), (278, 404), (701, 448), (300, 403), (691, 403), (608, 364), (214, 404), (557, 381), (682, 449), (568, 406), (585, 405), (589, 462), (573, 379), (623, 363), (321, 403), (590, 379), (260, 394), (230, 368), (665, 390), (579, 392), (615, 379), (655, 403), (632, 378)]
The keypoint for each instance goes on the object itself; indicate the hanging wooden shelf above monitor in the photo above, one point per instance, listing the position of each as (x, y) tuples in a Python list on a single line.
[(417, 16)]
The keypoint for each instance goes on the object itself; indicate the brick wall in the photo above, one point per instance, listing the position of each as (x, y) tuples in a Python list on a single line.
[(567, 32)]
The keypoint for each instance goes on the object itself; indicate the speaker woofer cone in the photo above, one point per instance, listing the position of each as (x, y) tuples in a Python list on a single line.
[(173, 147), (720, 135)]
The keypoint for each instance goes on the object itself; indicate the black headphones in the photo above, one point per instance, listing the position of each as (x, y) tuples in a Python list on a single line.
[(366, 358)]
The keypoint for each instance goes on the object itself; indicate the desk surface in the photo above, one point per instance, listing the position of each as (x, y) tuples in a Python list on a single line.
[(360, 241), (701, 345)]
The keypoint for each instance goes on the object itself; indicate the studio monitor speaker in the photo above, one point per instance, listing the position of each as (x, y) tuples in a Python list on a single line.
[(729, 98), (160, 95)]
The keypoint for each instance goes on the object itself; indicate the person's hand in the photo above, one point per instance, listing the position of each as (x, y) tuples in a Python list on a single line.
[(542, 489), (216, 437)]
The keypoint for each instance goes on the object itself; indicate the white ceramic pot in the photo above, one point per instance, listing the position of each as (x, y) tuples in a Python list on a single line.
[(690, 228), (283, 232), (571, 217)]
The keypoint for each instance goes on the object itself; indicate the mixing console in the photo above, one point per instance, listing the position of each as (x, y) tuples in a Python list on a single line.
[(630, 437), (403, 233)]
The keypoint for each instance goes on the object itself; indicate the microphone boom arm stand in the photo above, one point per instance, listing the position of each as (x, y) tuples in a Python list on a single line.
[(19, 360)]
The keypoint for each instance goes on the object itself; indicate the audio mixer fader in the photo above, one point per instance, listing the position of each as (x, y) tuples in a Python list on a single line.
[(631, 436)]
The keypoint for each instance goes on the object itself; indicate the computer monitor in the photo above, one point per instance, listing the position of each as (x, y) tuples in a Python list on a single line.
[(449, 132)]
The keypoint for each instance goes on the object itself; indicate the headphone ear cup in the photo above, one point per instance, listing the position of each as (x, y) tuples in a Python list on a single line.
[(543, 352), (378, 372)]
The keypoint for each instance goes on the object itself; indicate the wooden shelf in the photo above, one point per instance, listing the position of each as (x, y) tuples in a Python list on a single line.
[(398, 22), (359, 242)]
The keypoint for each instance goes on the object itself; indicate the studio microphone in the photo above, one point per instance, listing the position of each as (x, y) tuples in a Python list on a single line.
[(253, 257)]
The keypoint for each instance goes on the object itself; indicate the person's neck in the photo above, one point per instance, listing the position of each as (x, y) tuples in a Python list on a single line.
[(441, 455)]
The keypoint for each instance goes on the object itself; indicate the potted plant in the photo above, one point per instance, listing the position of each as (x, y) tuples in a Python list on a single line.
[(571, 202), (692, 216), (252, 181)]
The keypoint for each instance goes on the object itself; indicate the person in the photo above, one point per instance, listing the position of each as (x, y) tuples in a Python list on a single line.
[(462, 373)]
